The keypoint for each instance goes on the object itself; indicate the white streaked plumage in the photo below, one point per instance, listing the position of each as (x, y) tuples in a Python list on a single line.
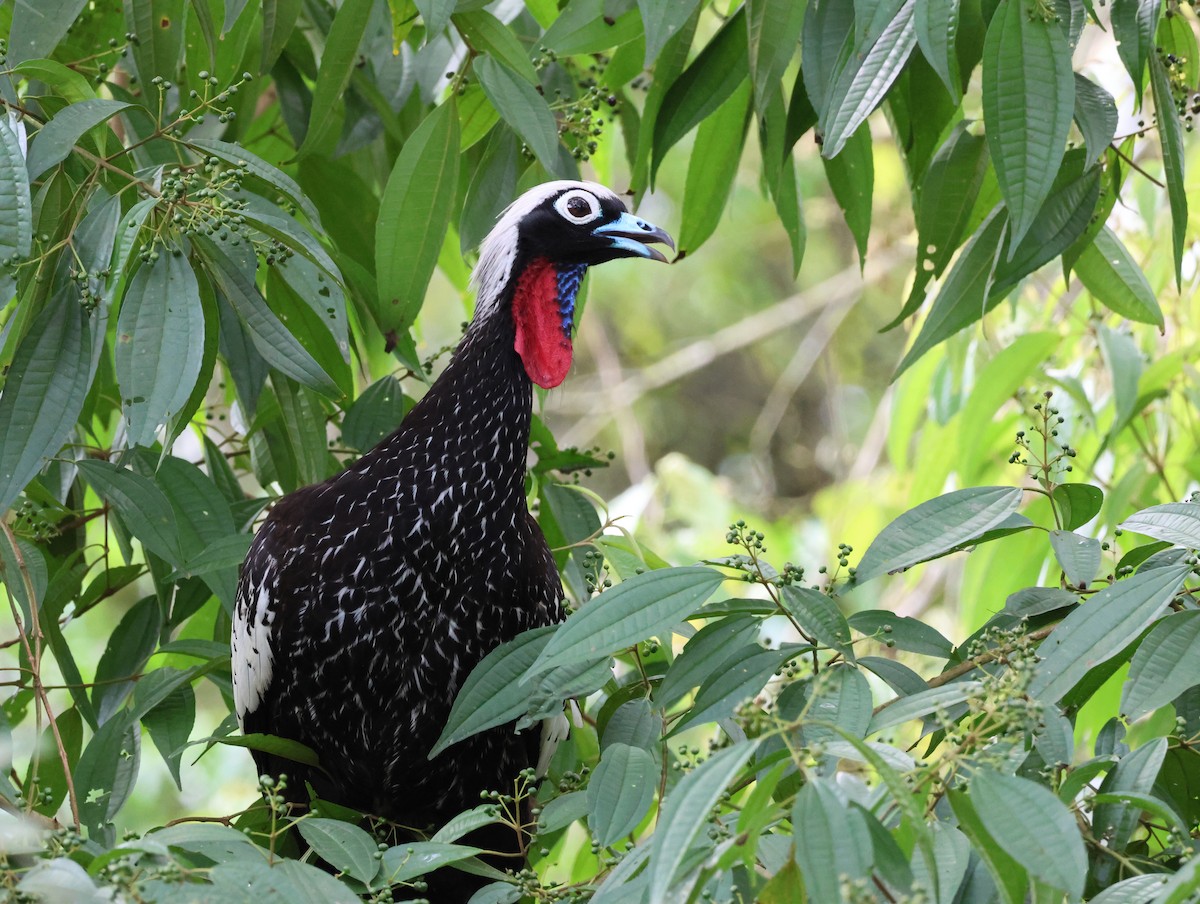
[(499, 250)]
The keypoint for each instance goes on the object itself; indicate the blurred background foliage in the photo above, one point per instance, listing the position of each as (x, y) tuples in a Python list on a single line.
[(750, 380)]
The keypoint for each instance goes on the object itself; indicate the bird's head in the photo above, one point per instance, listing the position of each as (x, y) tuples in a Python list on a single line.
[(532, 261)]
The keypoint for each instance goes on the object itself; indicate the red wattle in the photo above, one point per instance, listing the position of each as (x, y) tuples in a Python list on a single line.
[(542, 343)]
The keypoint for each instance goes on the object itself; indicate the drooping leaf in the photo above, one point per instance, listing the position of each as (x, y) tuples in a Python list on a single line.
[(833, 840), (620, 791), (742, 675), (160, 29), (1133, 25), (773, 30), (713, 169), (1170, 134), (16, 207), (260, 169), (936, 25), (107, 770), (415, 214), (586, 26), (1163, 666), (1096, 116), (1077, 503), (1028, 101), (640, 607), (1079, 557), (1136, 773), (44, 392), (140, 503), (1107, 270), (488, 34), (525, 110), (337, 65), (1102, 628), (160, 344), (661, 21), (342, 845), (851, 176), (936, 526)]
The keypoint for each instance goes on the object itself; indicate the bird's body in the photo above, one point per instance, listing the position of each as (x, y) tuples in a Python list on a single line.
[(366, 600)]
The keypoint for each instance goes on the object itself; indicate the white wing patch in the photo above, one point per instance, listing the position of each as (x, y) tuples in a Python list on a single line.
[(499, 250), (252, 658)]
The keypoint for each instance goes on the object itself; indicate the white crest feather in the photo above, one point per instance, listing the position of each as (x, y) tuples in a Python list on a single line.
[(498, 251)]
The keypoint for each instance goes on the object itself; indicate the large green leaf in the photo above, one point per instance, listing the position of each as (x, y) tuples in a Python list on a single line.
[(160, 344), (524, 109), (1116, 820), (936, 24), (1109, 272), (1078, 556), (493, 693), (337, 65), (141, 505), (851, 176), (773, 29), (1028, 102), (54, 141), (415, 214), (1101, 628), (713, 169), (44, 392), (271, 338), (700, 90), (703, 653), (936, 526), (740, 676), (686, 810), (38, 27), (16, 207), (487, 34), (833, 840), (1096, 116), (1174, 522), (284, 880), (819, 615), (586, 26), (160, 29), (1164, 665), (1170, 134), (661, 21), (107, 770), (342, 845), (878, 57), (1133, 26), (129, 647), (643, 606), (620, 791), (1033, 827)]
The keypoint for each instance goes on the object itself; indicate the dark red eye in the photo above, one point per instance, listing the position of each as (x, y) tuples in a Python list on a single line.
[(578, 208)]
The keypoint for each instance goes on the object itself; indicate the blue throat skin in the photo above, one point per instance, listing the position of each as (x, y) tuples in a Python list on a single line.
[(568, 279)]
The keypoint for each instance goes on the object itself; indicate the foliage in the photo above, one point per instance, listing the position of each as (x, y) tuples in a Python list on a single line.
[(219, 222)]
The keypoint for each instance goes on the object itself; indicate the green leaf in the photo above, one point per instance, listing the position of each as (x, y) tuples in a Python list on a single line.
[(773, 30), (159, 344), (1079, 557), (278, 347), (633, 723), (1108, 271), (662, 21), (342, 845), (279, 20), (905, 632), (1164, 665), (1096, 115), (107, 771), (643, 606), (467, 821), (523, 108), (1136, 890), (712, 169), (1054, 853), (493, 693), (562, 811), (1124, 362), (936, 526), (374, 415), (685, 812), (285, 880), (415, 213), (285, 748), (1101, 628), (702, 654), (585, 26), (825, 45), (936, 24), (66, 81), (170, 723), (130, 645), (140, 503), (620, 792), (487, 34), (55, 140), (1135, 773), (820, 616), (1133, 25), (38, 27), (874, 64), (1010, 877), (948, 191), (337, 65), (405, 862), (741, 675), (160, 29), (44, 392), (1028, 101), (1175, 522), (700, 90), (964, 293), (1171, 136), (922, 703), (851, 176), (16, 207), (833, 840), (1077, 503), (436, 15), (839, 703)]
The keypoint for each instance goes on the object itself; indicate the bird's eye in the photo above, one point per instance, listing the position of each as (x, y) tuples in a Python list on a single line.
[(578, 206)]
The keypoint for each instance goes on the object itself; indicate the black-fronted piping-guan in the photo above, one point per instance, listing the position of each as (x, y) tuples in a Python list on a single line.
[(366, 600)]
